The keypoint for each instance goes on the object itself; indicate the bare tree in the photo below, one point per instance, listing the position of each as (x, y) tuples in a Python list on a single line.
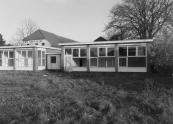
[(141, 18), (26, 28)]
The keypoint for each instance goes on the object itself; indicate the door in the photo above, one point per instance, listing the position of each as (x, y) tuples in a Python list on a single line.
[(53, 62)]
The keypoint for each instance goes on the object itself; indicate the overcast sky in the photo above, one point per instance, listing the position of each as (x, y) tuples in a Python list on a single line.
[(81, 20)]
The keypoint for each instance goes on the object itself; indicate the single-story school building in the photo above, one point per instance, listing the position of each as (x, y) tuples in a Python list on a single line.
[(106, 56), (43, 50)]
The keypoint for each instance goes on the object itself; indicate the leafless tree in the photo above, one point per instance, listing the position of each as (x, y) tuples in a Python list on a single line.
[(141, 18), (26, 28)]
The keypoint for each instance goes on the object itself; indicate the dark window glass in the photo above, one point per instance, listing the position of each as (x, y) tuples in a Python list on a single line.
[(102, 51), (132, 51), (10, 62), (93, 62), (1, 54), (110, 62), (122, 51), (6, 54), (0, 62), (29, 54), (36, 43), (136, 61), (141, 51), (10, 54), (75, 52), (39, 54), (122, 62), (53, 59), (82, 52), (43, 54), (110, 52), (67, 51), (24, 54), (93, 52), (43, 44), (102, 62)]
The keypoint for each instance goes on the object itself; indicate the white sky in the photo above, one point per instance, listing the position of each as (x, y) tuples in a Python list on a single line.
[(81, 20)]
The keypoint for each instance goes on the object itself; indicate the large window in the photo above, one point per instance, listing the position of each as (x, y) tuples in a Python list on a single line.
[(79, 57), (41, 58), (132, 56), (24, 58), (102, 57), (6, 58)]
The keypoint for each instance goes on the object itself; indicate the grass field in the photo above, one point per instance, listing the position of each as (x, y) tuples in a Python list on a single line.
[(85, 98)]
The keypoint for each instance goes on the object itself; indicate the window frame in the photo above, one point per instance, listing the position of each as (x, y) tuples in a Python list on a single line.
[(136, 55)]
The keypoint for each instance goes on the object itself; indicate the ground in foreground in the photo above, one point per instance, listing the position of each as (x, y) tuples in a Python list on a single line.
[(85, 98)]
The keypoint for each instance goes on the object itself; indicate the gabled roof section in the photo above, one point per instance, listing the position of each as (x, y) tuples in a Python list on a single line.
[(52, 38), (100, 39)]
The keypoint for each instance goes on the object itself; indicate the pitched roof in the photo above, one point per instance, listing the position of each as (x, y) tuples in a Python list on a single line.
[(52, 38), (100, 39)]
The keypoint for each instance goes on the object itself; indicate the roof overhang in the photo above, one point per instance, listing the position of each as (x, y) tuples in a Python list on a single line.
[(107, 42), (30, 46)]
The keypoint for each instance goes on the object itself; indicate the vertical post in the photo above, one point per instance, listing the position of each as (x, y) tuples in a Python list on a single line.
[(116, 57), (62, 58), (35, 59), (14, 59), (88, 58), (148, 57)]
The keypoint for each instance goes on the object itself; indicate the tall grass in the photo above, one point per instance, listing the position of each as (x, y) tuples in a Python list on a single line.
[(85, 98)]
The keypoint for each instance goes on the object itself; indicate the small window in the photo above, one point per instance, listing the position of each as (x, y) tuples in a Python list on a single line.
[(82, 52), (6, 54), (122, 62), (110, 52), (141, 51), (24, 54), (36, 43), (10, 54), (53, 59), (122, 51), (29, 54), (1, 52), (93, 52), (102, 51), (43, 44), (132, 51), (75, 52), (39, 54), (137, 62), (27, 44), (93, 62), (43, 54), (67, 51)]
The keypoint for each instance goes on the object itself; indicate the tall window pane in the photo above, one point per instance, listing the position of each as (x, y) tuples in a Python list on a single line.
[(132, 51), (6, 54), (10, 54), (43, 54), (75, 52), (39, 54), (24, 54), (82, 52), (93, 52), (110, 52), (122, 51), (1, 52), (29, 54), (141, 51), (102, 51)]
